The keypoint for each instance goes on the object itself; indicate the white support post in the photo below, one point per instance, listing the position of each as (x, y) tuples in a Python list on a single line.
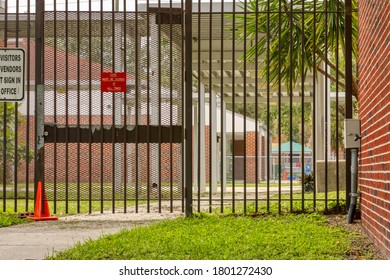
[(328, 117), (269, 152), (213, 141), (223, 146), (202, 135), (321, 117), (196, 146), (260, 153), (322, 122)]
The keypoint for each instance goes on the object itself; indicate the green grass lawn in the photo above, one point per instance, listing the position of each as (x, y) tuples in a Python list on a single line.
[(308, 204), (287, 204), (216, 237)]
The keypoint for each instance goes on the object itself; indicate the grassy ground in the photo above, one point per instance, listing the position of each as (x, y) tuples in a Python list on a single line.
[(286, 203), (210, 237), (300, 203), (72, 207), (7, 219)]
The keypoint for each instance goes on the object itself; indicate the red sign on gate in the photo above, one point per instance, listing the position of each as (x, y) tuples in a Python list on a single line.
[(113, 81)]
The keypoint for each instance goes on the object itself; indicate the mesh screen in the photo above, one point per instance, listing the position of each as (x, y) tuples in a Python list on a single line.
[(78, 47)]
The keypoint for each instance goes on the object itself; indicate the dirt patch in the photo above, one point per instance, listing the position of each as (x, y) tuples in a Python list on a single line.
[(362, 246)]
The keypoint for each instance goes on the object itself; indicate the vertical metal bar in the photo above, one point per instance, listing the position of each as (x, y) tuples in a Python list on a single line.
[(279, 107), (90, 107), (303, 107), (348, 89), (314, 104), (78, 106), (16, 160), (326, 106), (188, 103), (5, 113), (182, 109), (337, 106), (257, 108), (159, 106), (245, 194), (223, 171), (113, 107), (101, 110), (148, 105), (39, 147), (211, 113), (137, 114), (66, 109), (40, 115), (5, 154), (170, 106), (233, 101), (125, 167), (28, 105), (291, 103), (199, 103), (5, 119), (113, 155), (55, 105), (268, 103)]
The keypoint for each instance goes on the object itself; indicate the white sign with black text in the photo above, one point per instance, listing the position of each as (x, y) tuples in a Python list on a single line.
[(11, 74)]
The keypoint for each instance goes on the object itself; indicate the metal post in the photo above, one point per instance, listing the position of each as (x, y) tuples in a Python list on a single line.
[(39, 92), (354, 185), (348, 88), (118, 66), (188, 107)]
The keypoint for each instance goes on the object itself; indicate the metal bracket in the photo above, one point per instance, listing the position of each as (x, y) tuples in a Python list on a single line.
[(40, 113)]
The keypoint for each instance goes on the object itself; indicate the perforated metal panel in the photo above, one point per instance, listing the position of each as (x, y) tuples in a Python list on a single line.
[(236, 67), (113, 151)]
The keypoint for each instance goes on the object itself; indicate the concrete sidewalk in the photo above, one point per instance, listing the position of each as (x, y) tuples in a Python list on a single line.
[(37, 240)]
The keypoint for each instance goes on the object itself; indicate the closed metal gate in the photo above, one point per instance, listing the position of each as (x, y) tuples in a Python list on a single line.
[(220, 112)]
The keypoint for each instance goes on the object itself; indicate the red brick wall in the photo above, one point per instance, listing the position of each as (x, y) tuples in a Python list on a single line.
[(240, 150), (374, 111), (55, 161), (81, 172)]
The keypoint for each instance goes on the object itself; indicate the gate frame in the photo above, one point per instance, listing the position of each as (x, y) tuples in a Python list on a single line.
[(188, 108), (348, 90), (188, 170), (39, 95)]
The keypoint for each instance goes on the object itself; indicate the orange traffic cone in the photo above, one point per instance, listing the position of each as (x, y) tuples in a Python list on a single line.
[(38, 214)]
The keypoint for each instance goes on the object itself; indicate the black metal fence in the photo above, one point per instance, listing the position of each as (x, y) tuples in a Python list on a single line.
[(230, 106)]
